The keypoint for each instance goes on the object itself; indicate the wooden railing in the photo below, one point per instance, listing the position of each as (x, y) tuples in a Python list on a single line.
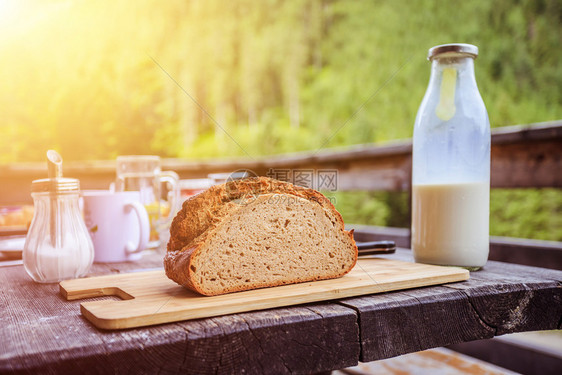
[(523, 156)]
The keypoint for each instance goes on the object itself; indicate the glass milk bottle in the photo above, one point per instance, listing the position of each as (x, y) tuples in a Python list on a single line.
[(451, 164), (58, 246)]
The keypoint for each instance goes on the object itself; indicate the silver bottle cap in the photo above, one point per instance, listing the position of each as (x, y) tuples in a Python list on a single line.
[(453, 48)]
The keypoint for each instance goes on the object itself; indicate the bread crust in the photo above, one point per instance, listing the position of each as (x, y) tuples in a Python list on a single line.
[(202, 215)]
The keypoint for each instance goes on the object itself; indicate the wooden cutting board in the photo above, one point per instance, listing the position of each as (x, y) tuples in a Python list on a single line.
[(151, 298)]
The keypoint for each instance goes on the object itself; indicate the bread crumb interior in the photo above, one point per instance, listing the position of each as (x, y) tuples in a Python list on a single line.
[(272, 240)]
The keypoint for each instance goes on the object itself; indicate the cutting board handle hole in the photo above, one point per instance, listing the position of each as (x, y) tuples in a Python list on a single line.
[(114, 291), (74, 294)]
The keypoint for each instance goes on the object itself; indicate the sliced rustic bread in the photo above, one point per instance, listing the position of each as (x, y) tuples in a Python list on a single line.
[(256, 233)]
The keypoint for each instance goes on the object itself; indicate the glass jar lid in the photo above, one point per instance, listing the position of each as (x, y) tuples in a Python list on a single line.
[(55, 185), (452, 48)]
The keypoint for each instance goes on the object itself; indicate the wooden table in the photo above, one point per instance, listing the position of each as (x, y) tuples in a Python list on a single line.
[(41, 332)]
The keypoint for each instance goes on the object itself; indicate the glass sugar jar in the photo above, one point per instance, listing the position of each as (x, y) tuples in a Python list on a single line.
[(451, 164), (58, 245)]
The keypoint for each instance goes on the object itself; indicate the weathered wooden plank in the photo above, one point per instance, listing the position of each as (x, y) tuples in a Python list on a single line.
[(403, 322), (432, 361), (500, 271), (515, 305), (522, 156), (280, 341), (516, 355), (43, 333), (536, 253), (499, 299), (527, 164)]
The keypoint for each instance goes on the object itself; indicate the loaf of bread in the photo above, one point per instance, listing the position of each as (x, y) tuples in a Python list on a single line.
[(255, 233)]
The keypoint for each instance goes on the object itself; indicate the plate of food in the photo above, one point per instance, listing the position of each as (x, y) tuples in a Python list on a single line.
[(14, 220), (12, 246)]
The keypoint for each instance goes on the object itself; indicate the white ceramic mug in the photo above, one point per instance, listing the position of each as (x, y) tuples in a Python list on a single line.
[(118, 224)]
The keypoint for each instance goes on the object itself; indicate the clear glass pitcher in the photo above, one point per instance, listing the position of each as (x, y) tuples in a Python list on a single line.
[(159, 191), (451, 164)]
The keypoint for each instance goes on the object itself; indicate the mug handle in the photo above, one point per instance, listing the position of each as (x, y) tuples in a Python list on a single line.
[(173, 179), (144, 228)]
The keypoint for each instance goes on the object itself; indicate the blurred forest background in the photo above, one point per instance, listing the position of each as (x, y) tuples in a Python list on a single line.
[(217, 78)]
